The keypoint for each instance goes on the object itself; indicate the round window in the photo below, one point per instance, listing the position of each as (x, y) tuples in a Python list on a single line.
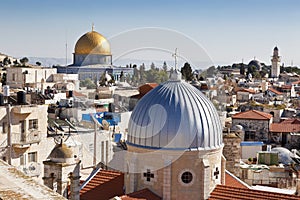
[(187, 177)]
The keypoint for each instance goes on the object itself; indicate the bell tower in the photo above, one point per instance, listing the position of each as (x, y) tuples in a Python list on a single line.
[(61, 170), (275, 70)]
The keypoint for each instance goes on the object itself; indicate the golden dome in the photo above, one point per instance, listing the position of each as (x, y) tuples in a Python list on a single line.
[(92, 43)]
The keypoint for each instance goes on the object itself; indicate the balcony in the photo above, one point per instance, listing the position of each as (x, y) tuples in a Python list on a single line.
[(20, 140), (23, 109)]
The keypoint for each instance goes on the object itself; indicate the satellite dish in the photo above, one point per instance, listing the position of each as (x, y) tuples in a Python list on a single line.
[(58, 139), (105, 124), (34, 169)]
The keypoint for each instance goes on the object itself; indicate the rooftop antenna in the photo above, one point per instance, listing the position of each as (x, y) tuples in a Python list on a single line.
[(66, 51), (175, 55), (292, 63)]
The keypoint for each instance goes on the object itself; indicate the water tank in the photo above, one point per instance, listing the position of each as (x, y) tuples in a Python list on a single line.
[(21, 97), (1, 99), (6, 90), (70, 93)]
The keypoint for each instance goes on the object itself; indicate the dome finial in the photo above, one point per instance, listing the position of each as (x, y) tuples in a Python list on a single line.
[(175, 75), (93, 26), (175, 55)]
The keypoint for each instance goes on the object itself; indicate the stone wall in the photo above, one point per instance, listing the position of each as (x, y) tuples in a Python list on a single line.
[(232, 153)]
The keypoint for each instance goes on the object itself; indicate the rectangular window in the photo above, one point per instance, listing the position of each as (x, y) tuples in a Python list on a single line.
[(32, 157), (22, 160), (4, 127), (14, 77), (91, 147), (33, 124)]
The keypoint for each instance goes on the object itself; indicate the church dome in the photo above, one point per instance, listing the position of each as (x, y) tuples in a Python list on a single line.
[(176, 116), (92, 43)]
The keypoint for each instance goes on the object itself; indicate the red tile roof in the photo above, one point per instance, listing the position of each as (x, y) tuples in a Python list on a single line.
[(144, 89), (246, 90), (144, 194), (252, 114), (275, 91), (105, 184), (223, 192), (233, 181), (286, 87), (296, 82), (286, 126)]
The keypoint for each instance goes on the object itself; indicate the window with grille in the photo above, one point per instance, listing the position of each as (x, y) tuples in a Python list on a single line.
[(187, 177), (32, 157), (33, 124)]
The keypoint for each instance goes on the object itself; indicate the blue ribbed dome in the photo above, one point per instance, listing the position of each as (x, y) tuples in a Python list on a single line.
[(175, 115)]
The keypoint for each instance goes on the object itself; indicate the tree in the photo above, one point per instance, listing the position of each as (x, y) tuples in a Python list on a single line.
[(16, 63), (3, 79), (6, 61), (242, 69), (38, 63), (165, 67), (186, 72), (24, 61), (122, 77), (142, 74), (88, 83)]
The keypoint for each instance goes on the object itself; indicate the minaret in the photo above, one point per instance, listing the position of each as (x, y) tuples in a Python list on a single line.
[(275, 71)]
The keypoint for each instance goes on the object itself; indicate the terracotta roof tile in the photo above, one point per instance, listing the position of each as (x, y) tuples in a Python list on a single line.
[(144, 89), (104, 183), (223, 192), (231, 180), (286, 126), (275, 91), (286, 87), (246, 90), (296, 82), (144, 194), (252, 114)]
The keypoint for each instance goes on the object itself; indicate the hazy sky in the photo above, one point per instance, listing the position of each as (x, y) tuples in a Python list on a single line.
[(228, 30)]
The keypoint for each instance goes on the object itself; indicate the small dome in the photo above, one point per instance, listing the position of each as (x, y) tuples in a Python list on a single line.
[(255, 63), (175, 115), (276, 48), (92, 43), (61, 153)]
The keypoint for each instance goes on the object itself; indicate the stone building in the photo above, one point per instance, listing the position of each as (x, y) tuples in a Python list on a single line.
[(255, 123), (39, 78), (27, 128), (175, 143)]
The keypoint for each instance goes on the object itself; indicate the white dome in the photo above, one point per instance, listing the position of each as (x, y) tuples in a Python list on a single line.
[(175, 115)]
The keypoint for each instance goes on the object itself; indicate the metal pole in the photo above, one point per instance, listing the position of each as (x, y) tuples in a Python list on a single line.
[(9, 146), (95, 149)]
